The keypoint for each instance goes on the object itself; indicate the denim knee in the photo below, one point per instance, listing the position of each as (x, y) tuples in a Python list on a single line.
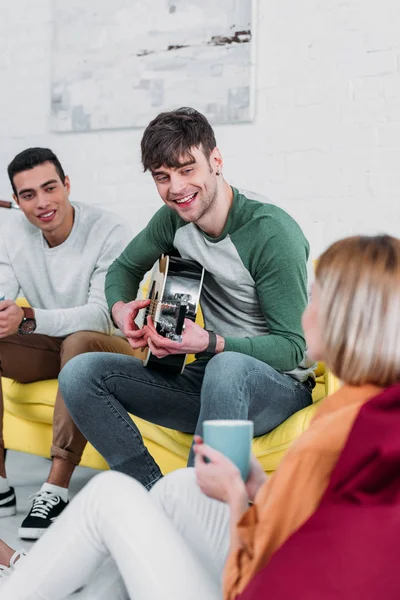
[(228, 367), (71, 379)]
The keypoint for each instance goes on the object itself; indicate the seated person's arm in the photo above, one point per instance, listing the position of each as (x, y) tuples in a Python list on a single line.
[(279, 269), (127, 271), (93, 315)]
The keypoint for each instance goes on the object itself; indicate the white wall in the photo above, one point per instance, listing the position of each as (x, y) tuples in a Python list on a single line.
[(325, 143)]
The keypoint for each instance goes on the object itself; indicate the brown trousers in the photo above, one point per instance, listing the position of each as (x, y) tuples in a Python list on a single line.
[(35, 357)]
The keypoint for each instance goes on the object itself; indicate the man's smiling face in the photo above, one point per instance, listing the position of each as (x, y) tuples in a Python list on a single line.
[(191, 188), (43, 197)]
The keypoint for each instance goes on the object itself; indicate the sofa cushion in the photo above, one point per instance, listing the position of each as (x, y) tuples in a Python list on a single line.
[(35, 402)]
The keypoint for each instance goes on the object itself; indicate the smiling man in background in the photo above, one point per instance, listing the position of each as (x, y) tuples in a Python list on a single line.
[(250, 354), (57, 253)]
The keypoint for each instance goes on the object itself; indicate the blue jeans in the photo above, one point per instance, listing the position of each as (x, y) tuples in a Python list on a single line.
[(100, 389)]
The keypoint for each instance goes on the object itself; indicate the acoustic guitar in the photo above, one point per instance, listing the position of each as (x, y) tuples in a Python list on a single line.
[(174, 291)]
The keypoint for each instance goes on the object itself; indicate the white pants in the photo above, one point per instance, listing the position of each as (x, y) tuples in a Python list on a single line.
[(118, 541)]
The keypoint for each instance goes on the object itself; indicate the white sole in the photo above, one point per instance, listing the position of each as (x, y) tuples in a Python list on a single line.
[(30, 534), (8, 511)]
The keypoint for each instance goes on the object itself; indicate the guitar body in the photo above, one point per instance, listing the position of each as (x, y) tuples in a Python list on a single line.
[(174, 292)]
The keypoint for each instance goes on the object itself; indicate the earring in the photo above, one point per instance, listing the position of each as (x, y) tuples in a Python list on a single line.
[(218, 173)]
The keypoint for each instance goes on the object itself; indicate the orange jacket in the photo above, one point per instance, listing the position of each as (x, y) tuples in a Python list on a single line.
[(294, 491)]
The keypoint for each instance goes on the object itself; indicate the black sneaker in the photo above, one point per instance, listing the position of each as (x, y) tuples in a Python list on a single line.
[(46, 507), (8, 503)]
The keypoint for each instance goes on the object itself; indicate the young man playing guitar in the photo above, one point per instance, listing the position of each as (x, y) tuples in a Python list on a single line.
[(251, 352)]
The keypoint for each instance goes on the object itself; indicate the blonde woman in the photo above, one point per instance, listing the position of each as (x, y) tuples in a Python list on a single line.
[(186, 536)]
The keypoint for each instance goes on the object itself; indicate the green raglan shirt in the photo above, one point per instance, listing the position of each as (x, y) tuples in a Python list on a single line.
[(255, 283)]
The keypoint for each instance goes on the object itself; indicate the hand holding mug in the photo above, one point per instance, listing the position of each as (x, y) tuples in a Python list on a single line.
[(216, 475)]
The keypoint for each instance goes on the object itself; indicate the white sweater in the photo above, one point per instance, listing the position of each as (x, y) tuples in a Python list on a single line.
[(64, 284)]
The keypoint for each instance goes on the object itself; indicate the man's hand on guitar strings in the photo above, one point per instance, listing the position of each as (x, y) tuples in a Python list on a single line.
[(124, 316), (194, 339)]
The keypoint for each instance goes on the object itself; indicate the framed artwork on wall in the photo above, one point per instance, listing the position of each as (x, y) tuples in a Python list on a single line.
[(117, 64)]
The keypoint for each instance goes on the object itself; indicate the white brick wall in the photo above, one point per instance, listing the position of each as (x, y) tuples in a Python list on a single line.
[(325, 143)]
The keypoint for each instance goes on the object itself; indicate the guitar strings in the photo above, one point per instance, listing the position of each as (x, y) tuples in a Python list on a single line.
[(151, 309)]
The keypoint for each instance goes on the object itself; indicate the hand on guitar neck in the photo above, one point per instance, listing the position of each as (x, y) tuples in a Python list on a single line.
[(195, 339), (124, 316)]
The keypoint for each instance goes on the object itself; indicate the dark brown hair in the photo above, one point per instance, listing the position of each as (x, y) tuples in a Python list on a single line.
[(171, 136)]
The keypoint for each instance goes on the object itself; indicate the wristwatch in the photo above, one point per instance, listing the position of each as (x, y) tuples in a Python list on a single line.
[(28, 323), (212, 342)]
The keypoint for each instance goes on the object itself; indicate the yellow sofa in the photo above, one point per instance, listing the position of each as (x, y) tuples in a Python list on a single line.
[(28, 418), (28, 415)]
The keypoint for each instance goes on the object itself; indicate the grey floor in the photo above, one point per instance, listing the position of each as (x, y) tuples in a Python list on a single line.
[(26, 473)]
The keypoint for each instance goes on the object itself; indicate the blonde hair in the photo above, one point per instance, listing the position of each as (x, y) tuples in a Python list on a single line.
[(359, 309)]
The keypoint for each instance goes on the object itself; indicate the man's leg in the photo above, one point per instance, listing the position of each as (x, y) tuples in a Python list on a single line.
[(113, 515), (101, 389), (68, 442), (26, 359), (238, 386)]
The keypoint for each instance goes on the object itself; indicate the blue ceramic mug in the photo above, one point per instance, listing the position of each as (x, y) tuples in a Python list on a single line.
[(233, 439)]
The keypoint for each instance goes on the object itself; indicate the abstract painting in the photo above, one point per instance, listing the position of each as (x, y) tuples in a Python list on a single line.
[(118, 64)]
